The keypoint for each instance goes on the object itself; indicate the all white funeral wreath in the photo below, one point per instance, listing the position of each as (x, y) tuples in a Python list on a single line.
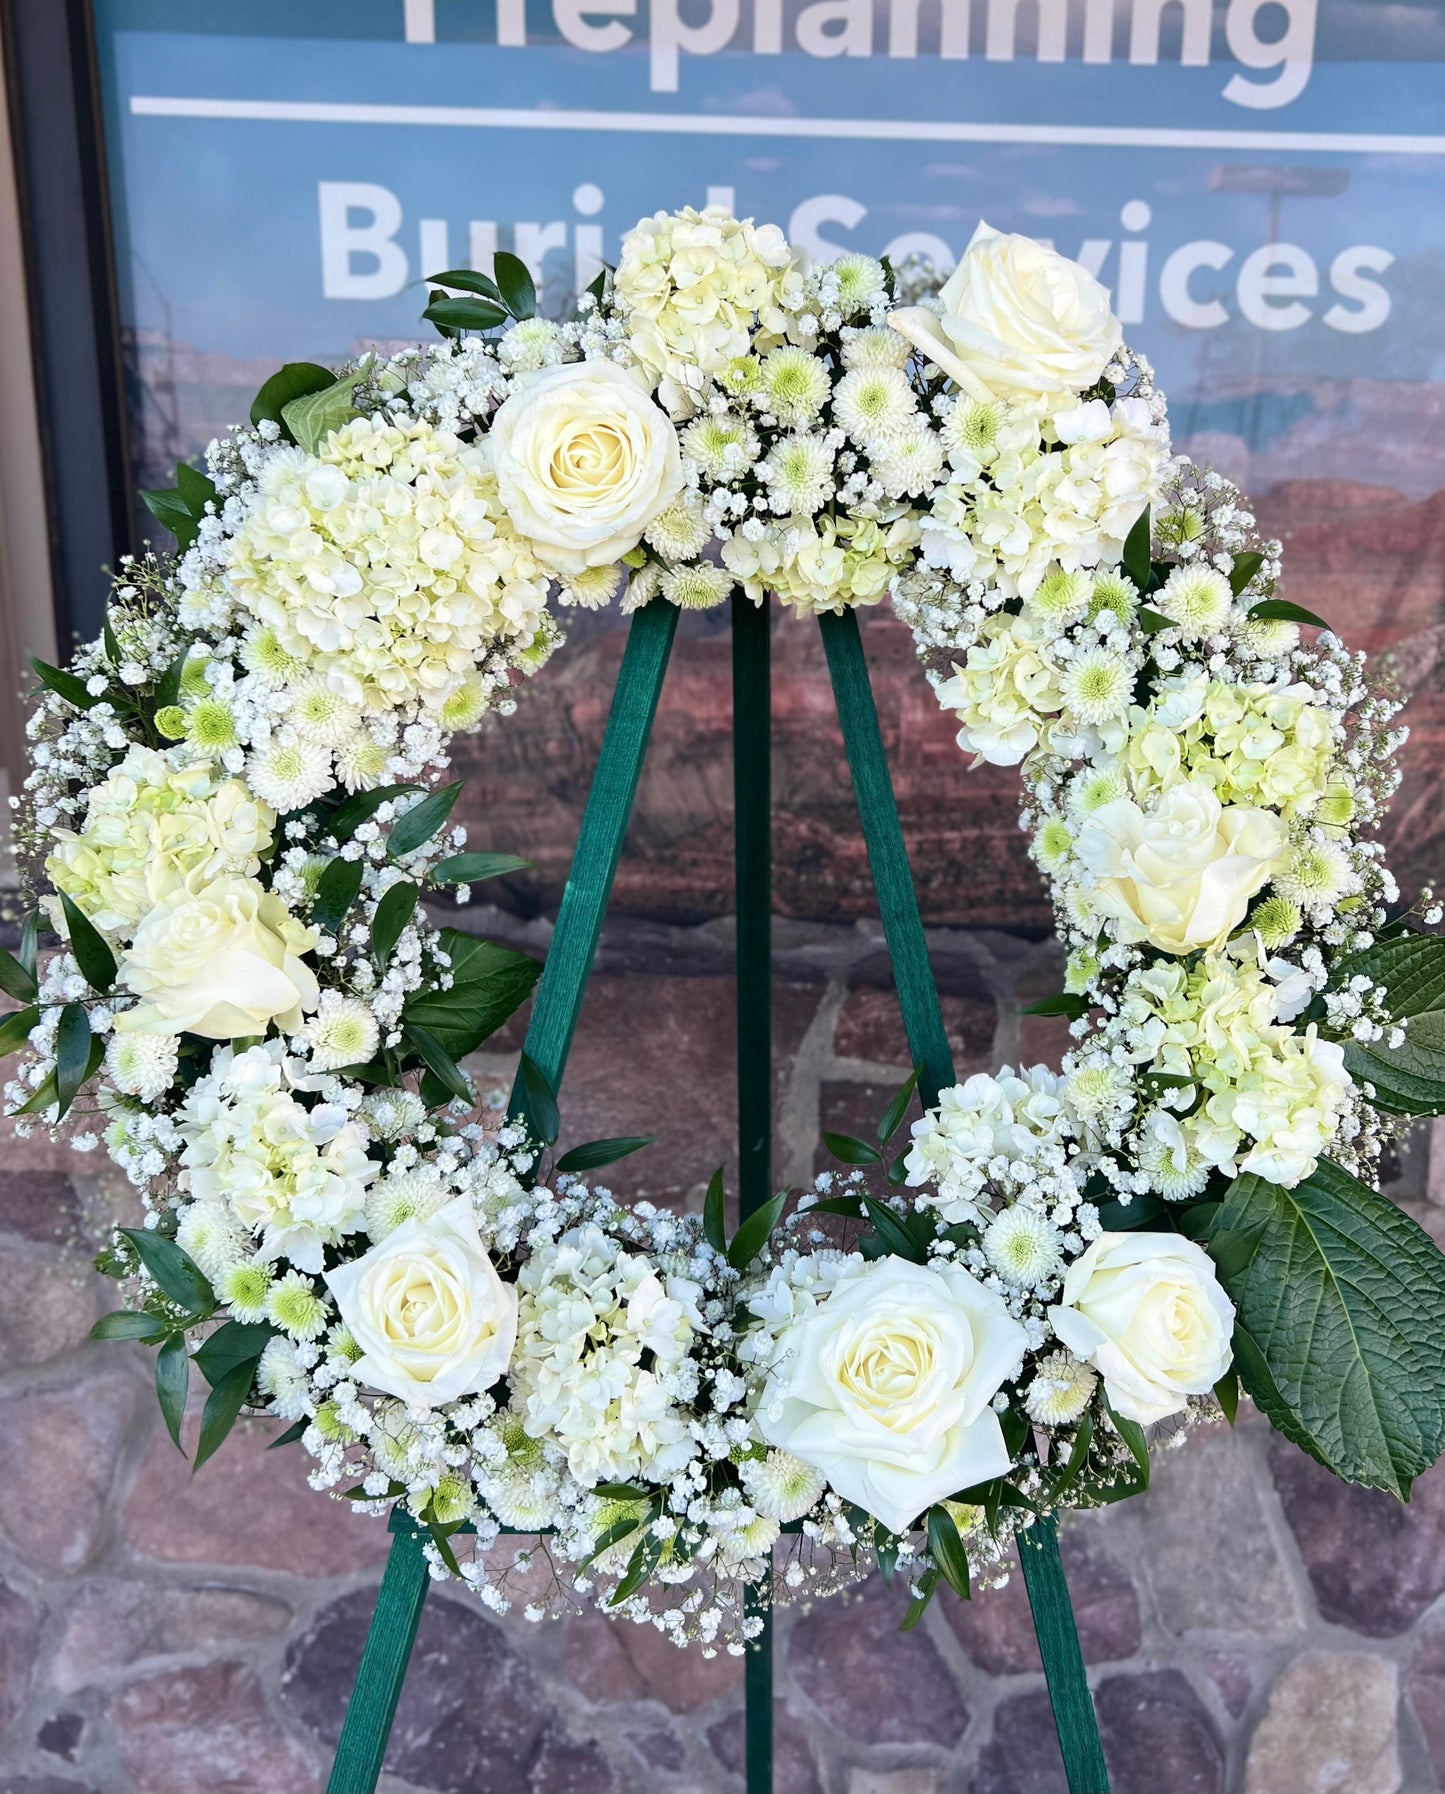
[(236, 808)]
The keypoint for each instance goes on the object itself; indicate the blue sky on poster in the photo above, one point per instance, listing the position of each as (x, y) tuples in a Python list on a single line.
[(1271, 211)]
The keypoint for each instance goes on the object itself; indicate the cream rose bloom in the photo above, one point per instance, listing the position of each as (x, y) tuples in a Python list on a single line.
[(1017, 317), (223, 964), (432, 1317), (886, 1387), (1146, 1310), (584, 461), (1181, 873)]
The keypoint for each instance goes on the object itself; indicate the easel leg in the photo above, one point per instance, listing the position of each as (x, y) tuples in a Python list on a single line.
[(928, 1042), (549, 1039), (752, 798), (372, 1707)]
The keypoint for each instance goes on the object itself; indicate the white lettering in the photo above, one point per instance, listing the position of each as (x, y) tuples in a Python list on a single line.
[(572, 22), (512, 24), (1292, 53), (1003, 24), (816, 33), (767, 27), (342, 241), (805, 225), (1259, 286), (419, 21), (482, 244), (1146, 24), (1099, 31), (669, 35), (1349, 283), (953, 23), (435, 254), (1174, 280)]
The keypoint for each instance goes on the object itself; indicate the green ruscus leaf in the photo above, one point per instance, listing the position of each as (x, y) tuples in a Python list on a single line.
[(1341, 1311), (92, 953), (173, 1379)]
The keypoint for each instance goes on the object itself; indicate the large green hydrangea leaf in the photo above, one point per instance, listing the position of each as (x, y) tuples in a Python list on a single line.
[(1408, 1079), (1341, 1322)]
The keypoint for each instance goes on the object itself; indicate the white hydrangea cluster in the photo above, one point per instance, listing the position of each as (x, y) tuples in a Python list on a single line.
[(373, 573), (1005, 1135)]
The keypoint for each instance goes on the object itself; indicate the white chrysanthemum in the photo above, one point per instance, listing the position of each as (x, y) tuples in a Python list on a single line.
[(467, 705), (526, 1503), (1061, 596), (208, 1231), (533, 343), (288, 775), (1091, 789), (264, 655), (1097, 1089), (1060, 1389), (392, 1436), (680, 532), (142, 1065), (1098, 685), (244, 1289), (1197, 599), (1114, 593), (320, 713), (294, 1306), (782, 1487), (799, 476), (1270, 638), (754, 1539), (793, 385), (1175, 1169), (403, 1196), (908, 465), (723, 448), (861, 279), (343, 1031), (393, 1114), (283, 1380), (1053, 843), (875, 346), (874, 405), (698, 587), (1276, 921), (211, 726), (1023, 1246), (361, 762), (1316, 876), (592, 588), (971, 429)]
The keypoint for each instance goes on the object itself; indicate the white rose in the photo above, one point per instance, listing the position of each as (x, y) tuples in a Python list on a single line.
[(1017, 317), (1180, 874), (584, 461), (886, 1386), (1146, 1310), (432, 1317), (223, 964)]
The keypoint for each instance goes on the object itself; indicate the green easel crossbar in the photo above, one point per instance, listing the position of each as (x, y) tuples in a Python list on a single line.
[(549, 1037)]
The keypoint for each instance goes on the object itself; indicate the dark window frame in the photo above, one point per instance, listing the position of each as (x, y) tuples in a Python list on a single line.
[(58, 132)]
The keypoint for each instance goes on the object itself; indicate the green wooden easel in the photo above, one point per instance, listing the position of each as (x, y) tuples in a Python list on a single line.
[(549, 1038)]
